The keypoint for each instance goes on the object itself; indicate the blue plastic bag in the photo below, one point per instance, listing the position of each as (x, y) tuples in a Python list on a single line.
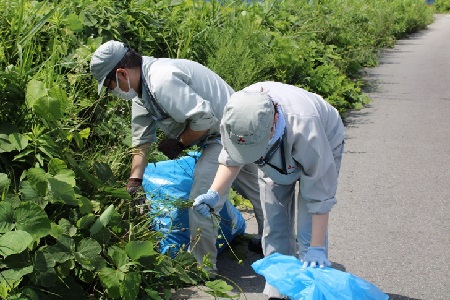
[(286, 274), (167, 182)]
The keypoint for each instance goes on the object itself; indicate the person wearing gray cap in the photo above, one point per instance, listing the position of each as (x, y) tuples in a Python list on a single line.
[(185, 100), (293, 136)]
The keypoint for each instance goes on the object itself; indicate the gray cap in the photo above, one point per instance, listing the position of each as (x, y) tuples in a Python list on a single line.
[(105, 58), (247, 121)]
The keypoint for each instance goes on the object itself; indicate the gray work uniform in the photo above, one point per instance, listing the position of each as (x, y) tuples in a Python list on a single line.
[(310, 153), (177, 94)]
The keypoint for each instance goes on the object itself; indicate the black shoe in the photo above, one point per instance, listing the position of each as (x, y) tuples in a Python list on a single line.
[(254, 245), (272, 298)]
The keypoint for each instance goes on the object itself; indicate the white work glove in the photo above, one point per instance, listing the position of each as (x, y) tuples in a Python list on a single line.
[(315, 256), (205, 202)]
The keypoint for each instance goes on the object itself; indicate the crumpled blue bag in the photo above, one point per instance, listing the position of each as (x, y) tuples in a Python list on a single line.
[(168, 182), (285, 273)]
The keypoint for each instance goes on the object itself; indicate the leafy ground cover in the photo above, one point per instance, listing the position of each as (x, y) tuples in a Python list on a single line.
[(67, 227), (442, 6)]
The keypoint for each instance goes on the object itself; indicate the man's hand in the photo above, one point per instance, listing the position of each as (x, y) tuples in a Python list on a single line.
[(316, 256), (171, 148), (204, 203), (133, 185)]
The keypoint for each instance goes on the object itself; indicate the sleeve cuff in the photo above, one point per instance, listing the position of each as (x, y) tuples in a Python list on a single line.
[(321, 207)]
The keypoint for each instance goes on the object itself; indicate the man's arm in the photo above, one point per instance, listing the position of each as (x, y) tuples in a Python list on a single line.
[(224, 178), (319, 229), (189, 136), (139, 161)]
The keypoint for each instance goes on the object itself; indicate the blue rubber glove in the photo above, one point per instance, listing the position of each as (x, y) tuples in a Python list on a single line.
[(205, 202), (316, 256)]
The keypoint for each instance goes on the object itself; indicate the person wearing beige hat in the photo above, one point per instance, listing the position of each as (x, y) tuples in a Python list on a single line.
[(293, 136), (185, 100)]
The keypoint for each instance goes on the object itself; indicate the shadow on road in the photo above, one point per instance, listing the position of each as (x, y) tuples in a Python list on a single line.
[(240, 275), (400, 297), (354, 118)]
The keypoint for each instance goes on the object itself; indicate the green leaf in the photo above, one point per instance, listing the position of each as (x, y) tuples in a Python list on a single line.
[(32, 219), (185, 258), (23, 155), (129, 289), (153, 294), (11, 278), (119, 256), (219, 288), (138, 249), (38, 180), (14, 275), (78, 140), (64, 268), (63, 192), (183, 276), (56, 230), (103, 220), (35, 90), (73, 23), (18, 141), (14, 242), (57, 92), (116, 192), (48, 146), (63, 250), (85, 133), (103, 171), (43, 261), (4, 289), (82, 172), (165, 266), (89, 247), (30, 194), (60, 253), (67, 243), (88, 255), (102, 236), (60, 172), (111, 279), (55, 165), (49, 108), (86, 205), (67, 227), (5, 144), (86, 221), (4, 185), (6, 217), (44, 273)]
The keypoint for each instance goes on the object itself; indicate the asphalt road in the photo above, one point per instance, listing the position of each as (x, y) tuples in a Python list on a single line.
[(392, 222), (391, 225)]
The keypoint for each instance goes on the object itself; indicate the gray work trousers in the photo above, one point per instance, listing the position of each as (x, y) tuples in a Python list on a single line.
[(278, 204), (204, 230)]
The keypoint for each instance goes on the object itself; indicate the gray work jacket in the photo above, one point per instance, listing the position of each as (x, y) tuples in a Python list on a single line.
[(313, 130), (187, 94)]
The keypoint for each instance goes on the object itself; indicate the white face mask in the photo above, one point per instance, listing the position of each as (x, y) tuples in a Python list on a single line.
[(124, 95)]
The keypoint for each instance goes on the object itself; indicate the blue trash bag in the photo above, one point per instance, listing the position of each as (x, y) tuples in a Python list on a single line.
[(286, 274), (167, 182)]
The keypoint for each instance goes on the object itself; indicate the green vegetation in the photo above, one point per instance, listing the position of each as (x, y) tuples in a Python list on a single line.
[(442, 6), (67, 226)]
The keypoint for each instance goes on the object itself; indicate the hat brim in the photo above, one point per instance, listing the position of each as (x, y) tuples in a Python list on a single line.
[(100, 85), (246, 154)]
